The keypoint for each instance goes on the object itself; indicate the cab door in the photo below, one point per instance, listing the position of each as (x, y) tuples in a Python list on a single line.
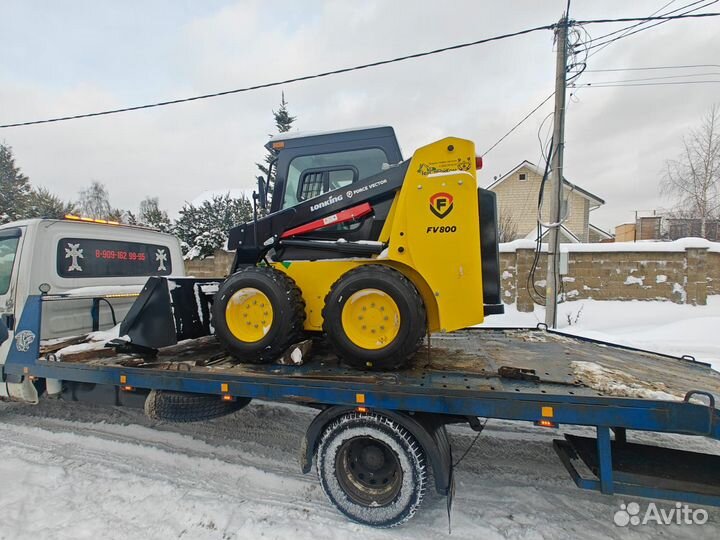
[(11, 241)]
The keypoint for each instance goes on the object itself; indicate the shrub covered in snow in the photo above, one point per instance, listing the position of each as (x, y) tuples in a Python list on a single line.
[(203, 229)]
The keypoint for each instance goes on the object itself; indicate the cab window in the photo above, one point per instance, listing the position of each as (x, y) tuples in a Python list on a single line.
[(310, 176), (8, 248)]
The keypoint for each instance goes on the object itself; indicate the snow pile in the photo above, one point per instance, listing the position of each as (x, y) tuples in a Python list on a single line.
[(95, 341), (613, 382)]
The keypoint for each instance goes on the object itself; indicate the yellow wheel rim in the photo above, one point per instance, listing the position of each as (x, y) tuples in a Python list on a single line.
[(371, 319), (249, 315)]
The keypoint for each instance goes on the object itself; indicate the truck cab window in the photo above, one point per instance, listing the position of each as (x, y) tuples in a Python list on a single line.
[(366, 162), (8, 247)]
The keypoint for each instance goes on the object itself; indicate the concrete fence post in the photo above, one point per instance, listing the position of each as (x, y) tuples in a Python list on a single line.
[(523, 264), (696, 284)]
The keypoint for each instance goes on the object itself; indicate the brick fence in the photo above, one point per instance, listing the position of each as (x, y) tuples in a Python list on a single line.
[(685, 271)]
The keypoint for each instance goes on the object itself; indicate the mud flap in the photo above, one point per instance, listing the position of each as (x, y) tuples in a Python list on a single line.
[(169, 310), (24, 391)]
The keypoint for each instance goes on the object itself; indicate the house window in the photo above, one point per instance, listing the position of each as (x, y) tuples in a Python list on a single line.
[(522, 176)]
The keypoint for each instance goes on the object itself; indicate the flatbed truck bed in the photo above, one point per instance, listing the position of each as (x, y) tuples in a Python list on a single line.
[(535, 375)]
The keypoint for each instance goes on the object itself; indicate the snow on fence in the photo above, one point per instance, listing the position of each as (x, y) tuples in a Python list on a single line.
[(685, 271)]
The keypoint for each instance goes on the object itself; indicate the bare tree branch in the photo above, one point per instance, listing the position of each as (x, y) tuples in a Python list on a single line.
[(693, 180)]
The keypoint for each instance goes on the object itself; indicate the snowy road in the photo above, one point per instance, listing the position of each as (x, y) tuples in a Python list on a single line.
[(75, 471)]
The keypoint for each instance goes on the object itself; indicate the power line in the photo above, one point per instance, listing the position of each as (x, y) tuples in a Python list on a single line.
[(611, 84), (626, 31), (279, 83), (528, 115), (665, 77), (666, 19), (641, 23), (659, 18), (686, 66)]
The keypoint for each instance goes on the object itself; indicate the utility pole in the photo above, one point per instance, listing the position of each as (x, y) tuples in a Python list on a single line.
[(556, 180)]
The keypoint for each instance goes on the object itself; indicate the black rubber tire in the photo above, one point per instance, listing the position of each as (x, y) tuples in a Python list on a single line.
[(186, 407), (413, 320), (411, 463), (288, 314)]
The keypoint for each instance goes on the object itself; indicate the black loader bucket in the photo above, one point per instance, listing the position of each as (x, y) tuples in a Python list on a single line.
[(169, 310)]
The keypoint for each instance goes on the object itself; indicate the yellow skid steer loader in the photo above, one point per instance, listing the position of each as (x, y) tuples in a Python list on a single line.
[(371, 251)]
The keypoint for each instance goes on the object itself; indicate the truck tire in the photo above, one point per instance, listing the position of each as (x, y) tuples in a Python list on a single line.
[(187, 407), (258, 313), (372, 469), (374, 318)]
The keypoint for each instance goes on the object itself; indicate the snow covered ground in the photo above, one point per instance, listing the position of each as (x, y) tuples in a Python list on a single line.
[(657, 326), (73, 471)]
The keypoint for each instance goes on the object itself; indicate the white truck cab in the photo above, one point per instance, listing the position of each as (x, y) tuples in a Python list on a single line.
[(103, 266)]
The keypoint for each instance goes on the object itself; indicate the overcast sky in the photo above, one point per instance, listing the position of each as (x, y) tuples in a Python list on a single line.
[(72, 57)]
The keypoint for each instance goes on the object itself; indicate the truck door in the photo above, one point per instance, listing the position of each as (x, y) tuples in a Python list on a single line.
[(10, 247)]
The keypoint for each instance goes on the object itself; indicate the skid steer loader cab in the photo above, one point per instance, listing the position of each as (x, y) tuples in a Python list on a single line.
[(370, 250)]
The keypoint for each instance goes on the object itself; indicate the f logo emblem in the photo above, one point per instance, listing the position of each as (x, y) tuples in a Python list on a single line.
[(441, 204)]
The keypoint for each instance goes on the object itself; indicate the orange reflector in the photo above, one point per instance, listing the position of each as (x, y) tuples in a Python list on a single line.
[(548, 412), (361, 409), (359, 398), (123, 379), (127, 388), (546, 423), (224, 387), (278, 145), (228, 398)]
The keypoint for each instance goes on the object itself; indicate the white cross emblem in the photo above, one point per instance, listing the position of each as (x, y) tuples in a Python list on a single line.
[(74, 252), (161, 257)]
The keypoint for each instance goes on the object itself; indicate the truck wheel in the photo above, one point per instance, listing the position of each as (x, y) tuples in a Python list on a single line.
[(187, 407), (374, 318), (258, 313), (372, 469)]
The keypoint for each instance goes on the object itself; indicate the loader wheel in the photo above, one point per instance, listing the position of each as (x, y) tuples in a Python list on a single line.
[(374, 318), (258, 313)]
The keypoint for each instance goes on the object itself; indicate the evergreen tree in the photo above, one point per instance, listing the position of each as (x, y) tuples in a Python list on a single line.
[(14, 187), (151, 215), (203, 229), (283, 123), (44, 204)]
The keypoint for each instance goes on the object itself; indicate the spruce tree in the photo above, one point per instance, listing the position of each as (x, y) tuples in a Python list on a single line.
[(283, 123), (14, 187)]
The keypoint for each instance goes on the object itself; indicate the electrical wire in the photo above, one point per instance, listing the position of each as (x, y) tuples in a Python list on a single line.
[(686, 66), (664, 77), (530, 285), (664, 18), (283, 82), (604, 85), (528, 115), (625, 32), (467, 450), (640, 23), (658, 18)]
